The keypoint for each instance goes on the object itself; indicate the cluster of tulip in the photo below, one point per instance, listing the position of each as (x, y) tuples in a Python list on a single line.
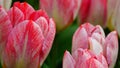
[(95, 51), (26, 34)]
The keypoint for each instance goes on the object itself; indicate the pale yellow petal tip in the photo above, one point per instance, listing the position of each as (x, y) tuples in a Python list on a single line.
[(109, 23)]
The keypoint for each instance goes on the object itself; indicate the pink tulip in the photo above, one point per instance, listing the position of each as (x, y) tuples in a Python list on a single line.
[(93, 38), (5, 4), (83, 58), (63, 11), (31, 38), (93, 11)]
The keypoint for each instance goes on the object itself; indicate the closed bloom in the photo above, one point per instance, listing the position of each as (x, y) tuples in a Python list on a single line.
[(63, 11), (113, 14), (93, 38), (93, 11), (5, 4), (30, 39), (83, 58)]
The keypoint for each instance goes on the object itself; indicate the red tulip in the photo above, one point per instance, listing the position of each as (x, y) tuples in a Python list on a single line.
[(63, 11), (31, 38), (93, 11), (93, 38), (83, 58)]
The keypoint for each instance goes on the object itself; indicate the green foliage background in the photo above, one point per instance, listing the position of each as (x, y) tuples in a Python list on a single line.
[(62, 42)]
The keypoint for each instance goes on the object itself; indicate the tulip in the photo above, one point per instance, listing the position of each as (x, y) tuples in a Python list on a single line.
[(93, 11), (113, 14), (83, 58), (93, 38), (5, 28), (62, 11), (5, 3), (30, 39)]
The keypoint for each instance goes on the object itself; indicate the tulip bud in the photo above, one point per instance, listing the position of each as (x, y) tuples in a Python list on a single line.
[(93, 38), (93, 11), (85, 31), (83, 58), (62, 11)]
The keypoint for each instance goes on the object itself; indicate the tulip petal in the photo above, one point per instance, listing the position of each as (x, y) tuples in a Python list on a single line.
[(40, 13), (16, 15), (5, 28), (25, 8), (89, 28), (94, 63), (47, 5), (68, 61), (5, 3), (98, 12), (48, 41), (24, 46), (102, 60), (78, 41), (81, 56), (99, 38), (98, 29), (113, 14), (111, 48), (84, 10), (95, 46), (42, 22)]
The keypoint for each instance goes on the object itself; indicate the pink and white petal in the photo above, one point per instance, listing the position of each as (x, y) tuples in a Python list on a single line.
[(89, 28), (99, 38), (5, 28), (102, 60), (40, 13), (68, 61), (24, 45), (25, 8), (94, 63), (98, 29), (16, 15), (81, 56), (48, 41), (43, 24), (80, 39), (95, 46), (111, 48)]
